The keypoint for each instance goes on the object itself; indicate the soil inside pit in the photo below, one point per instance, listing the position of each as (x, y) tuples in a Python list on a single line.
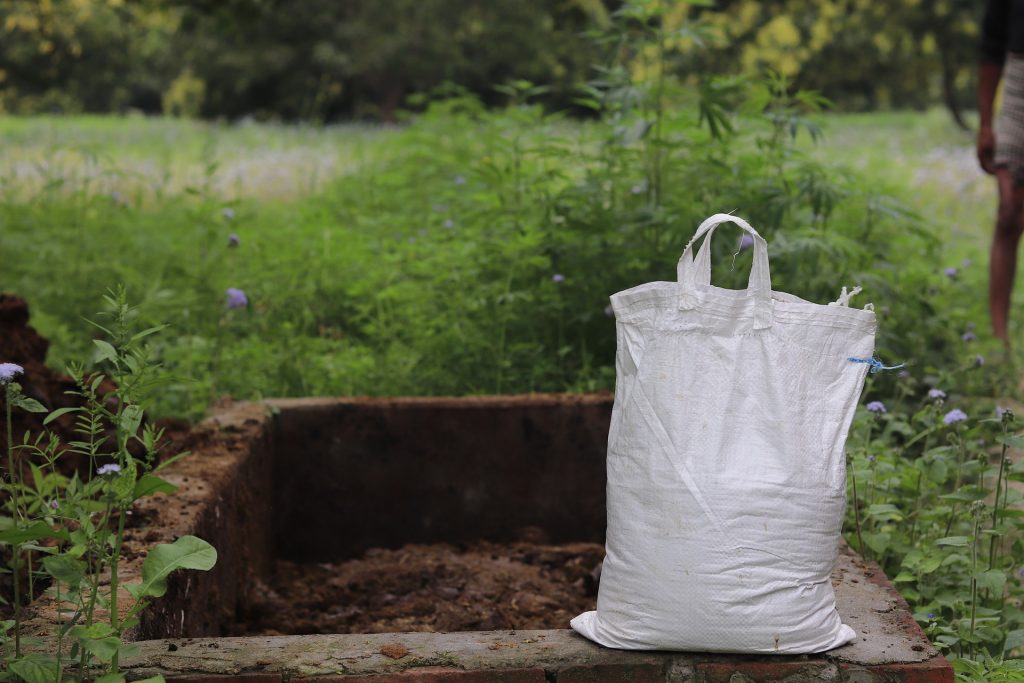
[(440, 587)]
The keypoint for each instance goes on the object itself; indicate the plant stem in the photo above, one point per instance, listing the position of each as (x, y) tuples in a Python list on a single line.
[(15, 569), (995, 509), (917, 508), (974, 578), (956, 486), (115, 621), (856, 514), (60, 633)]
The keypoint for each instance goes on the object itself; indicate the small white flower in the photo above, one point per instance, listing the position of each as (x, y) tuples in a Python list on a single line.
[(8, 371)]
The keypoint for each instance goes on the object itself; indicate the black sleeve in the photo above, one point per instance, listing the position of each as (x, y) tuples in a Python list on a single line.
[(995, 31)]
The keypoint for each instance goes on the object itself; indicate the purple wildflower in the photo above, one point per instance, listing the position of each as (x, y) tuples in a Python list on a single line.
[(449, 223), (931, 615), (460, 180), (871, 458), (54, 504), (954, 416), (558, 278), (236, 298), (228, 213), (951, 272), (746, 242), (8, 371), (639, 188), (1001, 411), (876, 407), (936, 393), (979, 360), (968, 336), (109, 468), (234, 240)]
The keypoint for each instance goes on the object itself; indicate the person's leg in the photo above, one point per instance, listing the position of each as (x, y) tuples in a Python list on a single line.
[(1003, 256)]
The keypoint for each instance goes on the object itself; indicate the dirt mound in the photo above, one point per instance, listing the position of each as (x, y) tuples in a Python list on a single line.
[(21, 344), (440, 587)]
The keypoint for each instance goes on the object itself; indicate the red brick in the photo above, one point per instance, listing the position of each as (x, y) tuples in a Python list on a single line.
[(641, 672), (435, 674), (237, 678), (762, 671), (934, 670)]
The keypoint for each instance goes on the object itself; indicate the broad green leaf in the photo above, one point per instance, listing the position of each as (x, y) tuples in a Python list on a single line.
[(32, 532), (188, 552), (965, 495), (956, 541), (877, 542), (992, 580), (884, 511), (131, 418), (59, 412), (106, 351), (929, 565), (1011, 440), (29, 404), (65, 568), (148, 484), (145, 333), (35, 668), (93, 631), (102, 649)]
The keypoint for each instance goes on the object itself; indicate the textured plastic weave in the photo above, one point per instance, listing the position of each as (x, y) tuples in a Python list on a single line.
[(726, 465)]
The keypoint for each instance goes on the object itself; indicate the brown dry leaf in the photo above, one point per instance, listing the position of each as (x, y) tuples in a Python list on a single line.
[(394, 650)]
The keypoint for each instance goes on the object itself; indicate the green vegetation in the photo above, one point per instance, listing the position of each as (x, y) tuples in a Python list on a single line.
[(324, 60), (68, 532), (473, 251), (428, 264)]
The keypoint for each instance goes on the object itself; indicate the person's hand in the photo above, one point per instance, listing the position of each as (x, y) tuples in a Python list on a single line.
[(987, 149)]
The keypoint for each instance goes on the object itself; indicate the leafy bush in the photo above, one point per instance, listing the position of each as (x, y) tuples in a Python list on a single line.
[(69, 530)]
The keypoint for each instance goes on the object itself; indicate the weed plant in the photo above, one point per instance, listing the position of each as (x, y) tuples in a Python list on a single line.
[(68, 531)]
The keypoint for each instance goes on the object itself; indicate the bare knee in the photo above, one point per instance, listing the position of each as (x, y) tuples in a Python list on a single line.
[(1008, 220)]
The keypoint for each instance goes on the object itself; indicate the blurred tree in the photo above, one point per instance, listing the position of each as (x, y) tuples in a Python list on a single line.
[(326, 59), (859, 53), (84, 55), (321, 58)]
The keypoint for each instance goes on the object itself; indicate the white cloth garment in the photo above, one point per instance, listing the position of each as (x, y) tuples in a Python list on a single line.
[(726, 464)]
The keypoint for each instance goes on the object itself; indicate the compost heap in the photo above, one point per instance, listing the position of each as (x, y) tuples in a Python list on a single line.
[(437, 587)]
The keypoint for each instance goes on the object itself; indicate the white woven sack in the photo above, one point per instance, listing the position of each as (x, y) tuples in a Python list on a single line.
[(726, 470)]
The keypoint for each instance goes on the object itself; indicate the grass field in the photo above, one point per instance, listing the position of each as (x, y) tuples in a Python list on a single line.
[(338, 226), (474, 252)]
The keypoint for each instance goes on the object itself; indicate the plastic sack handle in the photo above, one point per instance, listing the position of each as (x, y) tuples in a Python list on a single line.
[(694, 274)]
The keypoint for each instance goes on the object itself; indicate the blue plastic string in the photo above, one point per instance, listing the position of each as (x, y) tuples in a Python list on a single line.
[(875, 364)]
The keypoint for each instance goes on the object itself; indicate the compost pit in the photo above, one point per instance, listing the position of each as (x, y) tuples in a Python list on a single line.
[(429, 587)]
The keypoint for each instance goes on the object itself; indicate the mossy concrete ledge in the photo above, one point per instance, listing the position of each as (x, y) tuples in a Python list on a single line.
[(890, 647), (313, 479)]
